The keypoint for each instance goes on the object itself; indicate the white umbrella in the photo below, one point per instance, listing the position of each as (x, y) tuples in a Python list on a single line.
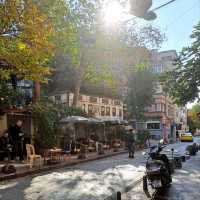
[(73, 119)]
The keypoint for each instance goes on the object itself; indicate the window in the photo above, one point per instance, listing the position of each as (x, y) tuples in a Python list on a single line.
[(83, 107), (57, 98), (163, 107), (90, 108), (168, 58), (120, 112), (113, 112), (105, 101), (152, 108), (153, 125), (107, 111), (102, 111), (158, 107), (95, 109), (117, 102), (93, 99), (158, 68)]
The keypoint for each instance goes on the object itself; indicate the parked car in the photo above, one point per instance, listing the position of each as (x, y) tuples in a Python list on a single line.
[(186, 137)]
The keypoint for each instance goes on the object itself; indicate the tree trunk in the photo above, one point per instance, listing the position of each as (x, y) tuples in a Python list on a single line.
[(79, 77), (36, 92), (76, 92)]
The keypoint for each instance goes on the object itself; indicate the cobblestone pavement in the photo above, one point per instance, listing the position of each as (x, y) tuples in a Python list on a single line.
[(185, 185), (89, 181)]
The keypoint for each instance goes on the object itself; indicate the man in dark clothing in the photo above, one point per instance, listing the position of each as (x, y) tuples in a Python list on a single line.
[(17, 140), (177, 136), (131, 144)]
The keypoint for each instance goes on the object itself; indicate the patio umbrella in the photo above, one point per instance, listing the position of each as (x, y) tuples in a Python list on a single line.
[(96, 124), (95, 121), (73, 119)]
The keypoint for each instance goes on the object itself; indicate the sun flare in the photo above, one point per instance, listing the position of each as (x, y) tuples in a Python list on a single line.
[(112, 12)]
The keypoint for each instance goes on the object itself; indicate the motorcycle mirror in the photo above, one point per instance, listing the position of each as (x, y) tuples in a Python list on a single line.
[(161, 141), (143, 153)]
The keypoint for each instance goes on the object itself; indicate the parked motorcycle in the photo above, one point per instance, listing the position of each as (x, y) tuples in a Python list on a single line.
[(158, 169)]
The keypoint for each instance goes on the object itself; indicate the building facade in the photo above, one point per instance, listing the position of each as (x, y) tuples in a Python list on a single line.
[(164, 118), (94, 106)]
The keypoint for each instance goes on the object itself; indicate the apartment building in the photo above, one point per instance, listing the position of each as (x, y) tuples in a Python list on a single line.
[(164, 118), (95, 106)]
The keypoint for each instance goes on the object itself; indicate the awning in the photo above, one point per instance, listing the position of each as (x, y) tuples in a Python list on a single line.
[(73, 119)]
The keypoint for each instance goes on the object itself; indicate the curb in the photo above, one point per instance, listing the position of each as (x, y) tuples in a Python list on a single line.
[(127, 189), (58, 166)]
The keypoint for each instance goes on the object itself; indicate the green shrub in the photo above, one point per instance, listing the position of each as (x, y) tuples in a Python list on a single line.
[(46, 115), (142, 136), (8, 96)]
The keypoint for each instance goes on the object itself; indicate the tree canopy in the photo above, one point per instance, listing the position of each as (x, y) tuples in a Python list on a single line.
[(141, 89), (184, 81), (25, 46), (193, 118)]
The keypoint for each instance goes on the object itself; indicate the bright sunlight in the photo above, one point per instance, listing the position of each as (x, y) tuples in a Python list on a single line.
[(113, 12)]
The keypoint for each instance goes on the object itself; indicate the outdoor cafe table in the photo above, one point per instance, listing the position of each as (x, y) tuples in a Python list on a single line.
[(55, 155)]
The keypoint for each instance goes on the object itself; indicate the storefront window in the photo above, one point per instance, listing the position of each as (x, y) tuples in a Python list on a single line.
[(153, 125)]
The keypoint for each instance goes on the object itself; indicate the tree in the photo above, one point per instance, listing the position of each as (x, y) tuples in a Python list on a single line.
[(193, 118), (25, 46), (141, 89), (96, 52), (46, 116), (183, 82), (80, 60)]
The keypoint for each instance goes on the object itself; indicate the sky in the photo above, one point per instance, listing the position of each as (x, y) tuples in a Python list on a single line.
[(177, 20)]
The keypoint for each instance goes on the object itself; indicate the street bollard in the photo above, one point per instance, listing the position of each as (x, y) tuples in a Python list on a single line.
[(119, 196)]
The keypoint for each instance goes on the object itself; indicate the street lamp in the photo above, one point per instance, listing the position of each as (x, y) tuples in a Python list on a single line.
[(140, 8)]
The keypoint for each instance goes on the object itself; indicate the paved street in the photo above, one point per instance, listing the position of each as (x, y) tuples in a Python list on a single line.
[(92, 180), (185, 184), (99, 179)]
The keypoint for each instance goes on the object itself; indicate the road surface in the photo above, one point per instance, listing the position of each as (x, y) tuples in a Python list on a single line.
[(94, 180), (185, 185)]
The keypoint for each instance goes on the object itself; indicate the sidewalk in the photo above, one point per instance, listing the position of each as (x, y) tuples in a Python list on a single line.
[(24, 169)]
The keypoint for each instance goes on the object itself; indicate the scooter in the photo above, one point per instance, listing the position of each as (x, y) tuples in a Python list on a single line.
[(158, 169)]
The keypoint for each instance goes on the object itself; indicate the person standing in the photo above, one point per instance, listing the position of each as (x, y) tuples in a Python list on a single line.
[(177, 135), (131, 144), (17, 140)]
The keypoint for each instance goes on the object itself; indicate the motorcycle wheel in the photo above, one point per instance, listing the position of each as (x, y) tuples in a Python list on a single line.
[(166, 178), (145, 184)]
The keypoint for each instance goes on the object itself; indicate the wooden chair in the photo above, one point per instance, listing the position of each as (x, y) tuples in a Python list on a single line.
[(31, 156)]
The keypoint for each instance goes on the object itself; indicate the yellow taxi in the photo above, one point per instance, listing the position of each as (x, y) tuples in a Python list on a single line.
[(186, 137)]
